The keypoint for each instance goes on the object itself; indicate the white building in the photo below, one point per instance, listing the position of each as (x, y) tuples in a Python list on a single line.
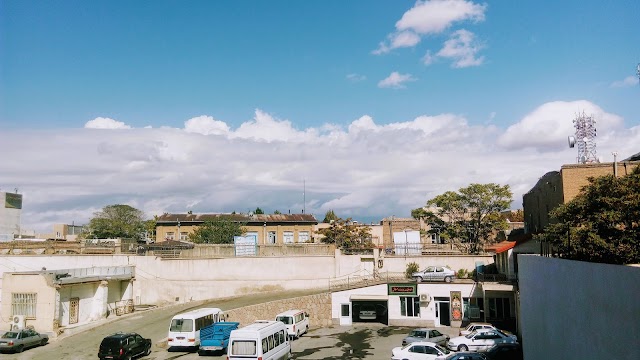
[(10, 211)]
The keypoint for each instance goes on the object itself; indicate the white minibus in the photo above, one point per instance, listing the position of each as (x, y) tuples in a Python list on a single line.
[(297, 322), (184, 329), (262, 340)]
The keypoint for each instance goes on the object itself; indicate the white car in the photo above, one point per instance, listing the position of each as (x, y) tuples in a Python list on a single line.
[(367, 312), (435, 273), (420, 350), (480, 340), (474, 326), (426, 334)]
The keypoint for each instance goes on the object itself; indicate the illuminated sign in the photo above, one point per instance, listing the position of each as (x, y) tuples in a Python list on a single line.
[(402, 289)]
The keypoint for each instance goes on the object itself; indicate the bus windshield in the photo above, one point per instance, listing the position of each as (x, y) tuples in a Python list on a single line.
[(181, 325), (285, 319)]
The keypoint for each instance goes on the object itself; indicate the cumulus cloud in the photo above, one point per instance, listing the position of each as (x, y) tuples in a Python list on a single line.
[(363, 170), (626, 82), (430, 17), (462, 48), (105, 123), (396, 80)]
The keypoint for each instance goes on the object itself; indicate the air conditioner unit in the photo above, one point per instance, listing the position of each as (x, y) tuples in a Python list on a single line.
[(425, 298), (18, 322)]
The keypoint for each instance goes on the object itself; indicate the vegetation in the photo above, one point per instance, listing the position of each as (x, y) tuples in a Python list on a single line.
[(601, 224), (217, 231), (412, 267), (116, 221), (345, 234), (468, 218), (329, 217), (258, 211)]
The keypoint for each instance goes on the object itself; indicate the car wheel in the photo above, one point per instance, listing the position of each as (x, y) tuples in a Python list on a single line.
[(447, 279), (146, 353), (43, 342), (463, 348), (419, 279)]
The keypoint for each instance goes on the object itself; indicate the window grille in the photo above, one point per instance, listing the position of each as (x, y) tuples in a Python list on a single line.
[(24, 304)]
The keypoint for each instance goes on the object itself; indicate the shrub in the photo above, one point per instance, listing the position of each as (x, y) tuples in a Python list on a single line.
[(411, 268), (462, 273)]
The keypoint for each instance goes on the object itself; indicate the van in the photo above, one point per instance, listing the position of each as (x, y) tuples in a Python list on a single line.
[(297, 322), (261, 340)]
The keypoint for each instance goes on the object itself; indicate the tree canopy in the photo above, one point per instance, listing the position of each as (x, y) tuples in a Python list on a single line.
[(467, 218), (345, 234), (116, 221), (601, 224), (217, 231), (258, 211), (330, 216)]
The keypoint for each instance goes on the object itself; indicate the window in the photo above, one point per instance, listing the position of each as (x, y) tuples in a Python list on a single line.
[(243, 347), (303, 236), (24, 304), (287, 237), (410, 306), (272, 237), (184, 236), (344, 310), (170, 235), (181, 325)]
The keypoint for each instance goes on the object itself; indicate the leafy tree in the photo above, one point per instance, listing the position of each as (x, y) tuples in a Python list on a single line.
[(150, 227), (345, 234), (277, 212), (514, 216), (411, 268), (116, 221), (601, 224), (468, 218), (258, 211), (217, 231), (330, 216)]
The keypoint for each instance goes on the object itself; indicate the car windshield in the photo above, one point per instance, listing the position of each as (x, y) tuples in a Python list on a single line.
[(471, 334), (10, 335), (181, 325), (285, 319), (503, 333), (417, 333), (443, 349)]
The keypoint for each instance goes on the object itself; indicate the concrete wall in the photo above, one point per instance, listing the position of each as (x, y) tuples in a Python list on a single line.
[(578, 310), (29, 284)]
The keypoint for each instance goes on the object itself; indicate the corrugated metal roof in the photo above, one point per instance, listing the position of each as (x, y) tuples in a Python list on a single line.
[(255, 218)]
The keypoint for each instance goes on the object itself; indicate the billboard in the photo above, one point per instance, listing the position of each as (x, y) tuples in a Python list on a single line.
[(13, 201)]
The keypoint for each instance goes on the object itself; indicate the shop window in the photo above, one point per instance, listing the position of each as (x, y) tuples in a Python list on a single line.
[(410, 306)]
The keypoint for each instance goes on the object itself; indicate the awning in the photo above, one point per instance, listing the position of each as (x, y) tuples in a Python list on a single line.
[(369, 297), (497, 287)]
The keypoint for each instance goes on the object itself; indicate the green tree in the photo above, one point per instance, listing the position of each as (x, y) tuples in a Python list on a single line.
[(345, 234), (467, 218), (217, 231), (277, 212), (601, 224), (116, 221), (330, 216), (258, 211), (150, 227)]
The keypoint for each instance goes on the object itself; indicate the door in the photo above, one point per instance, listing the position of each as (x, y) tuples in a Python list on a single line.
[(345, 314), (74, 310), (442, 314)]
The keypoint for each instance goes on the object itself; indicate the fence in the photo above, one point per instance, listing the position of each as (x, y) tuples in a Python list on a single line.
[(366, 279)]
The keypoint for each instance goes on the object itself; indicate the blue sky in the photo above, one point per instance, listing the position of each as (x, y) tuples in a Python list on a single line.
[(362, 89)]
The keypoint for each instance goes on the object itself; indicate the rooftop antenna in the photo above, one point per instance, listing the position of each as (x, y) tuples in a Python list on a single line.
[(304, 195), (585, 139)]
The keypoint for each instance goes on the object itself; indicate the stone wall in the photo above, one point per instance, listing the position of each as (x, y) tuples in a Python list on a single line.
[(318, 306)]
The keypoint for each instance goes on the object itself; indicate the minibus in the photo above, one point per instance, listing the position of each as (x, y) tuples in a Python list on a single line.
[(297, 322), (184, 329), (262, 340)]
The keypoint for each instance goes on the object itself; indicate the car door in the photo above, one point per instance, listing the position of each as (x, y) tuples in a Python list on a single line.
[(478, 342), (437, 337), (428, 273), (491, 338), (439, 274), (32, 338), (421, 352), (138, 344)]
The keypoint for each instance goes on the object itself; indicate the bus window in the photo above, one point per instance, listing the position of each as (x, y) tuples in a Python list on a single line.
[(181, 325)]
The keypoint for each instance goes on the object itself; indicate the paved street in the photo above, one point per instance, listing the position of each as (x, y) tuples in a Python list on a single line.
[(361, 341)]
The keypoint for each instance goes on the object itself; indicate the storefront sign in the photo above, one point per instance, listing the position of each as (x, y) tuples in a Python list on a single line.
[(402, 289), (456, 306)]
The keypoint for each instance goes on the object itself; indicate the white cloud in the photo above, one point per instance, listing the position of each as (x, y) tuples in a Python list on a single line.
[(430, 17), (462, 47), (428, 59), (363, 170), (105, 123), (353, 77), (626, 82), (395, 80)]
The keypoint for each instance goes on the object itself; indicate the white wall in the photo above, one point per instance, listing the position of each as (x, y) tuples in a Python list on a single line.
[(578, 310), (85, 293)]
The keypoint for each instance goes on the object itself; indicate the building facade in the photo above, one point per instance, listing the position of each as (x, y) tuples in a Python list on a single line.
[(10, 212), (267, 229)]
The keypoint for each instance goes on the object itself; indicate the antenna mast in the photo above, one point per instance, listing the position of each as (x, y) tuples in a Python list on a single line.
[(585, 138)]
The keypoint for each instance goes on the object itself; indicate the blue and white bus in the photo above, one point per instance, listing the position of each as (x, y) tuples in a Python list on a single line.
[(184, 329)]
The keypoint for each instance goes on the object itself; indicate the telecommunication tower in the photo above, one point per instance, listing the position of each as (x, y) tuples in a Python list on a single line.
[(585, 139)]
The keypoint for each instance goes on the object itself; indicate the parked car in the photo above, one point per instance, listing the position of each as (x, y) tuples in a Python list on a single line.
[(367, 312), (426, 334), (420, 350), (435, 273), (483, 325), (467, 356), (17, 341), (504, 351), (121, 346), (479, 340)]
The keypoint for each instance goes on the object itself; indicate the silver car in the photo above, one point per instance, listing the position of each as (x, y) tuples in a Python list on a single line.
[(17, 341), (480, 340), (426, 334), (435, 273)]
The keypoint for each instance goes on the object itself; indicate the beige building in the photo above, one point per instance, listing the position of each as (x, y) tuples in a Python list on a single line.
[(559, 187), (268, 229), (52, 300)]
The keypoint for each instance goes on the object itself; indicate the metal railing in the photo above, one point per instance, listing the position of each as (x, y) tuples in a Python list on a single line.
[(366, 279)]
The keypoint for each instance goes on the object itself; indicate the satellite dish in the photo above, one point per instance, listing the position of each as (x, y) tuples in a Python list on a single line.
[(572, 141)]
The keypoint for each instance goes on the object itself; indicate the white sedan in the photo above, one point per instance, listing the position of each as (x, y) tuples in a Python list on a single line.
[(420, 350), (479, 340)]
